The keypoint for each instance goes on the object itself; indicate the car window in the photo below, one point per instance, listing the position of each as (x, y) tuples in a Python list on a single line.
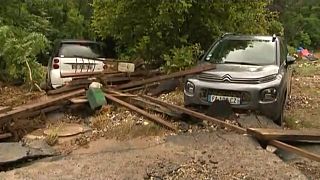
[(283, 52), (90, 50), (255, 52)]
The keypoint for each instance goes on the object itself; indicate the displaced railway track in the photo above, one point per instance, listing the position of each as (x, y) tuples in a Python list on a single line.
[(154, 104)]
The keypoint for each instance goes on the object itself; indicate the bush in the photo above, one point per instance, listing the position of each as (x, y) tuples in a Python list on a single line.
[(18, 53), (181, 58)]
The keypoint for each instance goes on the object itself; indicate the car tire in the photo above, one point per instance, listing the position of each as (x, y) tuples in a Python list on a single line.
[(44, 85), (279, 121)]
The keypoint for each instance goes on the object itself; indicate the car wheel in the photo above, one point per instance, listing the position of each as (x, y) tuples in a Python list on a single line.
[(280, 119), (45, 84)]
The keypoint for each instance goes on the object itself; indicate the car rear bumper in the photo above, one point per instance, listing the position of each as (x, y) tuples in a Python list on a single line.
[(55, 80)]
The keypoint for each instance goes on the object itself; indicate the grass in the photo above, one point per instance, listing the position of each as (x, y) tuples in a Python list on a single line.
[(306, 69), (304, 109), (52, 138)]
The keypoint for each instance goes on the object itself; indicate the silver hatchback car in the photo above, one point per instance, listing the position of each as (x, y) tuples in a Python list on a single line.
[(251, 73)]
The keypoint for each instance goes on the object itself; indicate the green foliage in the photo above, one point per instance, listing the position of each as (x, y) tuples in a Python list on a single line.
[(18, 51), (291, 50), (301, 20), (149, 29), (28, 28), (168, 33), (181, 58), (302, 38)]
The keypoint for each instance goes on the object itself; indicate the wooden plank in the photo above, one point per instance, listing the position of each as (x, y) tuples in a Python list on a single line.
[(38, 112), (238, 129), (194, 70), (197, 114), (295, 150), (140, 87), (119, 79), (78, 100), (5, 135), (67, 88), (147, 105), (76, 82), (154, 118), (285, 135), (38, 106), (5, 109), (90, 74)]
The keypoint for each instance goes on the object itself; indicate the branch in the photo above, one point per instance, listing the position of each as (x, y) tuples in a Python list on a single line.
[(30, 76)]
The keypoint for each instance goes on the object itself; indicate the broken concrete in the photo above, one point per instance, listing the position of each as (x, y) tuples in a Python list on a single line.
[(231, 156), (13, 152)]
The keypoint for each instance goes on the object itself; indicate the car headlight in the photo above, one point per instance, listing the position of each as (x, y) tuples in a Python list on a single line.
[(189, 88), (269, 94), (268, 78)]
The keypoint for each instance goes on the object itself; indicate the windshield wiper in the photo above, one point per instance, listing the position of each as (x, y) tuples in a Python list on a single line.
[(242, 63)]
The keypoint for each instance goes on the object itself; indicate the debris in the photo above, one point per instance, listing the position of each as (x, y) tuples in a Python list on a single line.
[(78, 100), (82, 74), (238, 129), (252, 120), (196, 114), (65, 130), (67, 88), (142, 112), (5, 135), (95, 85), (164, 87), (95, 97), (285, 135), (295, 150), (147, 105), (22, 110), (5, 109), (194, 70), (145, 87), (41, 111), (220, 109), (13, 152)]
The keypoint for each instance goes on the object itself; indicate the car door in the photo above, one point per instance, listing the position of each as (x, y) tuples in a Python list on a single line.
[(287, 72)]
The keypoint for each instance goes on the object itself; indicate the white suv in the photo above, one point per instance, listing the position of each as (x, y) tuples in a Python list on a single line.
[(73, 56)]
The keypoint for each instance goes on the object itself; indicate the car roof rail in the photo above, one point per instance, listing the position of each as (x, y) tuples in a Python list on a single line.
[(227, 34)]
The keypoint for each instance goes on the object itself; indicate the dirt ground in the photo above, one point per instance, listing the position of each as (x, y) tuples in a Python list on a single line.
[(303, 110), (216, 155), (16, 95)]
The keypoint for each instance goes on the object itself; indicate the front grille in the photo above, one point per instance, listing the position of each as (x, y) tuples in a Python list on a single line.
[(215, 78), (244, 96)]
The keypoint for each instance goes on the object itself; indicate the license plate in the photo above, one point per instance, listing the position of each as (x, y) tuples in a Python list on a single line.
[(232, 100), (82, 66)]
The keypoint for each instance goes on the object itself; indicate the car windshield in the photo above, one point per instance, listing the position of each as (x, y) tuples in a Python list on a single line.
[(250, 52), (89, 50)]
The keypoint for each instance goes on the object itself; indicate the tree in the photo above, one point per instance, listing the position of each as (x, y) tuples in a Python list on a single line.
[(28, 28), (150, 29), (301, 19)]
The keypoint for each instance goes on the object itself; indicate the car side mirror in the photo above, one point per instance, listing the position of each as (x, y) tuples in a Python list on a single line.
[(290, 60)]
